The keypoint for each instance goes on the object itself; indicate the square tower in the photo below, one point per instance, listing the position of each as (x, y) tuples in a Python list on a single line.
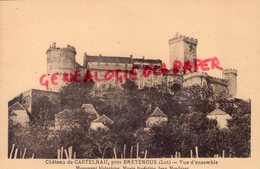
[(182, 48)]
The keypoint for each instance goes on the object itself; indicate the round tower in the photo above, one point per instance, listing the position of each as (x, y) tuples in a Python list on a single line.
[(231, 76), (60, 60)]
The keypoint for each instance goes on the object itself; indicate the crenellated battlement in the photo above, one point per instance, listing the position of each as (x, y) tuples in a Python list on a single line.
[(68, 48), (218, 80), (230, 71), (179, 37), (60, 60), (194, 74)]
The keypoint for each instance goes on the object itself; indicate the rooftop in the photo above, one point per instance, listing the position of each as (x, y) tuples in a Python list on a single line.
[(158, 113), (102, 119), (107, 59), (117, 59), (15, 106), (218, 111), (71, 114), (89, 108)]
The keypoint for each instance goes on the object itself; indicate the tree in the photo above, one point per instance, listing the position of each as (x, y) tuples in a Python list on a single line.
[(184, 130), (43, 110), (130, 85), (200, 98), (214, 141), (240, 135), (35, 139), (99, 144), (74, 137), (176, 87), (235, 106), (181, 134), (75, 94), (166, 139)]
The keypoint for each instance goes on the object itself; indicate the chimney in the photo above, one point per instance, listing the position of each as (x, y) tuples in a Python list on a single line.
[(53, 45)]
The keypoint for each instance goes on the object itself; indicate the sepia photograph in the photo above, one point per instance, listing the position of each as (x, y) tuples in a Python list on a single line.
[(99, 81)]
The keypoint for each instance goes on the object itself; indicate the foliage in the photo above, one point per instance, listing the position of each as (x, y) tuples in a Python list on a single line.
[(130, 85), (75, 94), (35, 139), (200, 98), (99, 144), (240, 135), (176, 87), (43, 110), (185, 129)]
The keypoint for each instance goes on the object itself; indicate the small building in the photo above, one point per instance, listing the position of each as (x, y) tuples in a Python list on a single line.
[(102, 122), (156, 118), (90, 111), (68, 119), (220, 116), (18, 114), (29, 98)]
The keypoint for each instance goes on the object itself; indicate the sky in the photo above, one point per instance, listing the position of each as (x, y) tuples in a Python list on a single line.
[(228, 30)]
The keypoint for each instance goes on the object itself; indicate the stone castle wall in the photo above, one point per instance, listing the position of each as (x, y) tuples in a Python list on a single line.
[(181, 48), (29, 98)]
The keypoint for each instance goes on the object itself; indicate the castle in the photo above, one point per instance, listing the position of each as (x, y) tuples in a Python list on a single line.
[(182, 48)]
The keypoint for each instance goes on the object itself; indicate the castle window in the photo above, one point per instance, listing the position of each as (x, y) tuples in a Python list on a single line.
[(141, 85), (212, 87), (204, 83), (110, 86)]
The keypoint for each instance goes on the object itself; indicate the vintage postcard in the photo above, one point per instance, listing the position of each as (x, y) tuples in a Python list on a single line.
[(129, 84)]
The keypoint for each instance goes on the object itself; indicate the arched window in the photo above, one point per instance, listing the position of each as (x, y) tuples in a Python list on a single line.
[(212, 87), (204, 83)]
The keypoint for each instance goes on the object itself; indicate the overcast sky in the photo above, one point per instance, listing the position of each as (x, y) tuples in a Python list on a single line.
[(228, 30)]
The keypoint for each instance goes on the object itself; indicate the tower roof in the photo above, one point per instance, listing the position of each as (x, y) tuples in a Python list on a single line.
[(218, 111), (103, 119), (89, 108), (71, 114), (158, 113), (15, 106)]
